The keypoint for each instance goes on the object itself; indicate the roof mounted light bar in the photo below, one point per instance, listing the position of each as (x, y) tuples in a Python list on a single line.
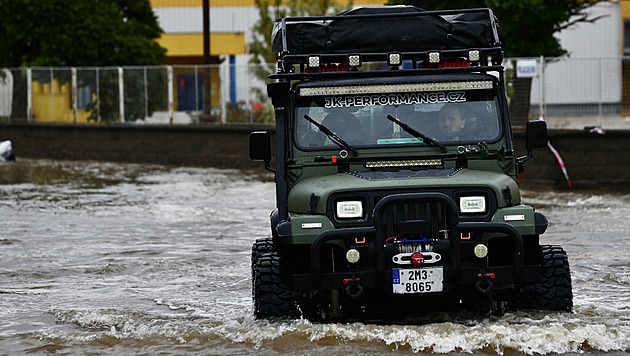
[(395, 88), (290, 75)]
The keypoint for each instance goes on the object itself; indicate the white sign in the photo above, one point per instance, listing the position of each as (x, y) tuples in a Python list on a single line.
[(526, 68)]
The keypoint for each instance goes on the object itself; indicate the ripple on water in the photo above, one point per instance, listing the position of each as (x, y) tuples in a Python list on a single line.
[(146, 259), (523, 333)]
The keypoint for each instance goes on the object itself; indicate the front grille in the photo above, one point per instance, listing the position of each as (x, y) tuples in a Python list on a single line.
[(402, 218), (419, 221)]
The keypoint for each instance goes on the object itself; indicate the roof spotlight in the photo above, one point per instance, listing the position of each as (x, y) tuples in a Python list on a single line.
[(473, 55), (313, 61), (394, 59), (354, 60), (434, 57)]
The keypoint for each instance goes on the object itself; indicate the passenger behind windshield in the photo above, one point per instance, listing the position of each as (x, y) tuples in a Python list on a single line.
[(342, 122), (345, 124)]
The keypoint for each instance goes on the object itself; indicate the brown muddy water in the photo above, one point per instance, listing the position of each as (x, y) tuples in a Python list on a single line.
[(130, 259)]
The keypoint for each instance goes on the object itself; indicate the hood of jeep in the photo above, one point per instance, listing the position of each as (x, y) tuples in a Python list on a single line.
[(435, 179)]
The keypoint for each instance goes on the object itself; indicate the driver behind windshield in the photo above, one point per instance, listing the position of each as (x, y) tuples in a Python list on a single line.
[(454, 125)]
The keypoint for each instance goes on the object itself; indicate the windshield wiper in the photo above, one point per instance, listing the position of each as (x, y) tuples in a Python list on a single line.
[(415, 133), (333, 137)]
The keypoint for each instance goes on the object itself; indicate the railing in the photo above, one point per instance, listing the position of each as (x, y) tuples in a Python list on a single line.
[(571, 93), (152, 94)]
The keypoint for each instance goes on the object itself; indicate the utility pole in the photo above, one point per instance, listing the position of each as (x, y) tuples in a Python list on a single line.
[(207, 60), (206, 31)]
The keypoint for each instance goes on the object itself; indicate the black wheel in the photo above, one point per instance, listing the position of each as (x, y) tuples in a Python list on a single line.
[(272, 296), (262, 245), (553, 291)]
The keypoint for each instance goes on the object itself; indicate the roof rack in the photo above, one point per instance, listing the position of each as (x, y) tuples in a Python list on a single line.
[(390, 34), (383, 73)]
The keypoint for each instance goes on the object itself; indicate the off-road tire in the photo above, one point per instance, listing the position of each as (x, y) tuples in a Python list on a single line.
[(553, 291), (272, 296), (261, 246)]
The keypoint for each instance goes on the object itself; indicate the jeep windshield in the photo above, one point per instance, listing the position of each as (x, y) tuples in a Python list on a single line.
[(449, 113)]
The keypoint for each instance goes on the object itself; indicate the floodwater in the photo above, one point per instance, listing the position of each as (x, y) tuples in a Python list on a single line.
[(133, 259)]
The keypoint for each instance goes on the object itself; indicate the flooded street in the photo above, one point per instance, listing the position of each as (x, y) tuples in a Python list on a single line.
[(147, 259)]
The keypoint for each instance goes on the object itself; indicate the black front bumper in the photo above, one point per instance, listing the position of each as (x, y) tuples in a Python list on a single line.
[(380, 276)]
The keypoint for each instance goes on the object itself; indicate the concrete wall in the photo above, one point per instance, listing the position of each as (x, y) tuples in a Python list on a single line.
[(224, 147), (592, 161)]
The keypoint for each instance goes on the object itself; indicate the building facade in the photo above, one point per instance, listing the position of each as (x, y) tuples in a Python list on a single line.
[(231, 23)]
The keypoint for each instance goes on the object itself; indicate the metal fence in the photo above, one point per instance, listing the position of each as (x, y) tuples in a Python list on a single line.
[(152, 94), (574, 93), (571, 93)]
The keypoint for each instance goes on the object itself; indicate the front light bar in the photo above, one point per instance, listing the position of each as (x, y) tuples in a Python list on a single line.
[(404, 163)]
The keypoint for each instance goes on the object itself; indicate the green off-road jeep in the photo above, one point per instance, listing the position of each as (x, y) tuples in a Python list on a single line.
[(396, 171)]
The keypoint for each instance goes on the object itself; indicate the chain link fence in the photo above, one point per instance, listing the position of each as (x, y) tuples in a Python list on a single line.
[(571, 93)]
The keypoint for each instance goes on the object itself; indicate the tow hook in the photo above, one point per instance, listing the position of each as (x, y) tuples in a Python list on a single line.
[(484, 283), (354, 289)]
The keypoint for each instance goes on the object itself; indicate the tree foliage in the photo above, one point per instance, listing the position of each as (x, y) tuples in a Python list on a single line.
[(78, 33), (527, 27), (260, 46)]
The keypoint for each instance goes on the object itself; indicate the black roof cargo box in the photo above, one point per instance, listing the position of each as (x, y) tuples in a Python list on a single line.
[(385, 29)]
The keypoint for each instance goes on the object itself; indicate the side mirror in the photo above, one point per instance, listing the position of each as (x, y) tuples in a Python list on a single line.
[(535, 135), (260, 147)]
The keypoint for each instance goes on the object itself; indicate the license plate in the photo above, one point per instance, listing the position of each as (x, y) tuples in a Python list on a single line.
[(419, 280)]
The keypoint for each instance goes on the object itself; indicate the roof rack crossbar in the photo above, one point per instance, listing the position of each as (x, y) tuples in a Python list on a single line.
[(386, 73)]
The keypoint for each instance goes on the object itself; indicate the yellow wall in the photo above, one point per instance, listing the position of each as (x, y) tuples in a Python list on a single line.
[(58, 109), (191, 44)]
